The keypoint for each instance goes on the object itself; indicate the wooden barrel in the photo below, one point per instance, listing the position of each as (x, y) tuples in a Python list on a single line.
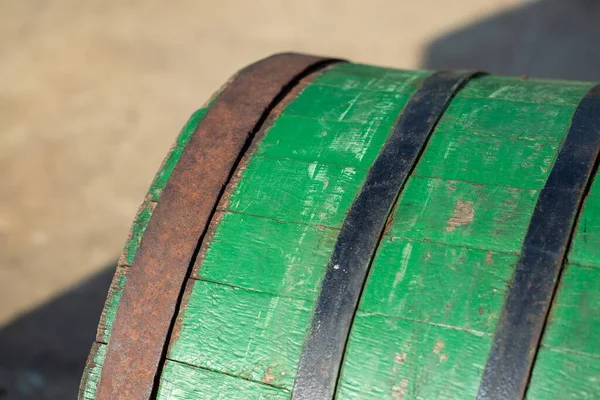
[(323, 229)]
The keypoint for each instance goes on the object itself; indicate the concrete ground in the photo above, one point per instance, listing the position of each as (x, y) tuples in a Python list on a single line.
[(92, 93)]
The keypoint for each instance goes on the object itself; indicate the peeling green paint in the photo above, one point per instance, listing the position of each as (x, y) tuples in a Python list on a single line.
[(430, 306)]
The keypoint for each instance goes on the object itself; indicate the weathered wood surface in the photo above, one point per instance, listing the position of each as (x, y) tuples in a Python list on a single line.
[(428, 313), (91, 374), (568, 363)]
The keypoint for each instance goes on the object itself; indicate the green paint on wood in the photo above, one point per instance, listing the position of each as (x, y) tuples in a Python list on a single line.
[(142, 218), (91, 373), (585, 249), (166, 169), (190, 127), (351, 144), (274, 240), (450, 251), (243, 253), (487, 159), (254, 335), (444, 285), (595, 189), (541, 91), (164, 173), (292, 191), (574, 323), (112, 303), (347, 105), (370, 78), (184, 382), (137, 231), (390, 358), (464, 214), (508, 119), (560, 376), (432, 300), (568, 363)]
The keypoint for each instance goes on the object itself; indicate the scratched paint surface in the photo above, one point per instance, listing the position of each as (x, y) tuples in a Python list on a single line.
[(562, 375), (250, 304), (400, 292), (460, 213), (91, 374), (209, 385), (141, 222), (253, 335), (112, 302), (428, 313), (518, 163), (585, 249), (392, 358), (568, 363), (296, 272), (93, 366), (540, 91), (311, 193), (430, 307)]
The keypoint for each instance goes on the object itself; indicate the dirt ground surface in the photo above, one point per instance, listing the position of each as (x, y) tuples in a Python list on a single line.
[(92, 94)]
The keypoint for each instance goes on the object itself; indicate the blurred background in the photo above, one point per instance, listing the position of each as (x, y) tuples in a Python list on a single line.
[(93, 93)]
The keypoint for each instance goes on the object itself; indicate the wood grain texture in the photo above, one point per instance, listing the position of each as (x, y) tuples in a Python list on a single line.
[(276, 233), (152, 295), (112, 302), (166, 169), (560, 375), (525, 90), (390, 358), (91, 372), (292, 191), (430, 306), (442, 271), (360, 234), (93, 369), (453, 286), (253, 335), (140, 222), (243, 253), (585, 249), (349, 144), (507, 118), (518, 163), (574, 324), (568, 363), (183, 382), (463, 214)]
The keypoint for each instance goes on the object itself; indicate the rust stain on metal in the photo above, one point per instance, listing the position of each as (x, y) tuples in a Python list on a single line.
[(157, 276)]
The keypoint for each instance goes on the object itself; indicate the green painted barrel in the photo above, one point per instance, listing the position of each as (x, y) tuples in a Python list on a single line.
[(476, 274)]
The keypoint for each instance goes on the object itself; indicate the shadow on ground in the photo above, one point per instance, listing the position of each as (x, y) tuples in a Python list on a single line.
[(547, 39), (42, 354)]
